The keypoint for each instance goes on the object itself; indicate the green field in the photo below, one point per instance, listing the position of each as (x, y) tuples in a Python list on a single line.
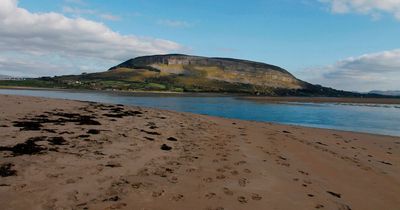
[(148, 79)]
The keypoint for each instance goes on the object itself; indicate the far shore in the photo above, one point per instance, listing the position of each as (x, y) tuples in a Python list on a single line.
[(136, 92), (67, 89), (263, 99), (267, 99)]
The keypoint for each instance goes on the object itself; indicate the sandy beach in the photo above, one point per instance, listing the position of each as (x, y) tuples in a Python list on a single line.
[(61, 154)]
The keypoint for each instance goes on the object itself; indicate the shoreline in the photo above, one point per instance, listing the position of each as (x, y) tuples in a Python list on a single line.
[(53, 95), (225, 118), (139, 93), (263, 99), (106, 156)]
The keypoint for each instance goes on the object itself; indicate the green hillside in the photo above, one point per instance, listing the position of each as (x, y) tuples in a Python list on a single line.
[(182, 73)]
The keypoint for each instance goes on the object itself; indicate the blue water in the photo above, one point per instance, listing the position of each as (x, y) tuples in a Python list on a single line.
[(379, 119)]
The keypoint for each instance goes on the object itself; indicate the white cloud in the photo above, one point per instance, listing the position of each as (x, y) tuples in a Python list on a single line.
[(81, 2), (40, 34), (110, 17), (77, 11), (26, 67), (174, 23), (371, 7), (363, 73)]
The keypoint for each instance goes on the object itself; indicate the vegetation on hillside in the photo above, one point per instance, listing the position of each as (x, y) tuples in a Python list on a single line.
[(180, 73)]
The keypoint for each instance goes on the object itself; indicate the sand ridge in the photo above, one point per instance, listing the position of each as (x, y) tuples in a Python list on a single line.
[(60, 154)]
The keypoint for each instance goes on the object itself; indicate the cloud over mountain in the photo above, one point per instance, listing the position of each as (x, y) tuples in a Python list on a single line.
[(376, 70), (43, 34)]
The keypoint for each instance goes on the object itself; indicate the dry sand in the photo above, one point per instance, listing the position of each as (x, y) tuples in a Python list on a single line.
[(59, 154)]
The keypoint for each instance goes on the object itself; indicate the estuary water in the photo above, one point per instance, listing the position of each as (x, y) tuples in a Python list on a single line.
[(378, 119)]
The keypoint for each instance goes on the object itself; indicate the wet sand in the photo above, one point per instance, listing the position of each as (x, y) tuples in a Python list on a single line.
[(60, 154)]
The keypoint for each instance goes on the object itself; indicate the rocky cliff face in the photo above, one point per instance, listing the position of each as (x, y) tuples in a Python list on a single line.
[(220, 69)]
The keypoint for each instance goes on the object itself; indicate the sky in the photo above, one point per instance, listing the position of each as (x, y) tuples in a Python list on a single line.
[(345, 44)]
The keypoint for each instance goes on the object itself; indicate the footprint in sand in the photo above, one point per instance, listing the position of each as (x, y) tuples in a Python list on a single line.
[(158, 193), (54, 175), (143, 172), (227, 191), (247, 170), (208, 180), (242, 199), (217, 208), (118, 206), (70, 181), (240, 162), (210, 195), (50, 204), (308, 182), (234, 172), (221, 170), (256, 197), (221, 176), (303, 172), (243, 182), (177, 197), (173, 180), (136, 185), (190, 170), (72, 196), (227, 167)]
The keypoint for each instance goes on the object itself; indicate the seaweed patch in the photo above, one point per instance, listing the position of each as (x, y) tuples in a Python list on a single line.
[(6, 170), (29, 147)]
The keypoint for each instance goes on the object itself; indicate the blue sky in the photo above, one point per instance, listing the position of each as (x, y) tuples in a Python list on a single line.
[(317, 40)]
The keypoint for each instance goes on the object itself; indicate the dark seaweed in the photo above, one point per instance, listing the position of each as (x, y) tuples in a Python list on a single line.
[(28, 125), (119, 112), (93, 131), (149, 138), (172, 139), (166, 147), (36, 122), (6, 170), (151, 132), (57, 141), (29, 147), (114, 198)]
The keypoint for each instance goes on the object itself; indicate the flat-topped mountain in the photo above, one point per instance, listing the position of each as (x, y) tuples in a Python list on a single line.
[(218, 69), (185, 73)]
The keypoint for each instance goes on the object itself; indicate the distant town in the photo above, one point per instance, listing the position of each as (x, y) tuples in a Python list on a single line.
[(4, 77)]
